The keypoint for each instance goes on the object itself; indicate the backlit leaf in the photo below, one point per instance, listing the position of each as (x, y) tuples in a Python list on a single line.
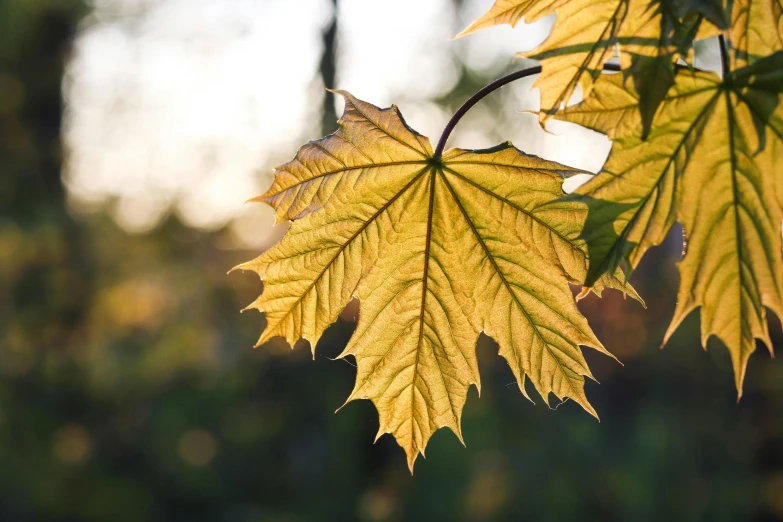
[(649, 34), (511, 12), (711, 162), (436, 251), (756, 30)]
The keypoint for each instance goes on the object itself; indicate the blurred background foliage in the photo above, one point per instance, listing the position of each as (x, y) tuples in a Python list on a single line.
[(129, 390)]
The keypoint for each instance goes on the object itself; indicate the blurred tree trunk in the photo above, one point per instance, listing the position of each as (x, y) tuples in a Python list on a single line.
[(328, 69), (34, 45), (42, 297)]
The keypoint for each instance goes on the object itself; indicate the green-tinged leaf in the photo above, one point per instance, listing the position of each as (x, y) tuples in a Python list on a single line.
[(650, 35), (436, 251), (712, 163), (652, 67), (715, 11), (756, 30), (582, 40)]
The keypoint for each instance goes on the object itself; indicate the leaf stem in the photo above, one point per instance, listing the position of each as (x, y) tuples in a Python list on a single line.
[(495, 85), (724, 56)]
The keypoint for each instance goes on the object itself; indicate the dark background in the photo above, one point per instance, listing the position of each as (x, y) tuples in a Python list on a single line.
[(129, 390)]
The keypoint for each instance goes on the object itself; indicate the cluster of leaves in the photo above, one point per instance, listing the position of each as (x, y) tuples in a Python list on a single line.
[(438, 248)]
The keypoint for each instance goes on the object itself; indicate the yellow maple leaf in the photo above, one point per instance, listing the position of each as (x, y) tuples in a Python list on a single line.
[(649, 34), (511, 12), (436, 250), (756, 30), (712, 162), (588, 33)]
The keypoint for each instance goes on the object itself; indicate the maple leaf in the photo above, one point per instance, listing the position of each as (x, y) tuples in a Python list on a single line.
[(756, 30), (710, 163), (436, 250), (511, 12), (651, 35)]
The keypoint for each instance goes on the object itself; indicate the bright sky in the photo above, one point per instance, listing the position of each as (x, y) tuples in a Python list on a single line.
[(185, 106)]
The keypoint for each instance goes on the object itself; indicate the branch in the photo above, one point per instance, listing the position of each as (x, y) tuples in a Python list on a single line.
[(497, 84)]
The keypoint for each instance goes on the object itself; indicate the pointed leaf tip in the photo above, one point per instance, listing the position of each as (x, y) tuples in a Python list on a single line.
[(430, 251), (720, 191)]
